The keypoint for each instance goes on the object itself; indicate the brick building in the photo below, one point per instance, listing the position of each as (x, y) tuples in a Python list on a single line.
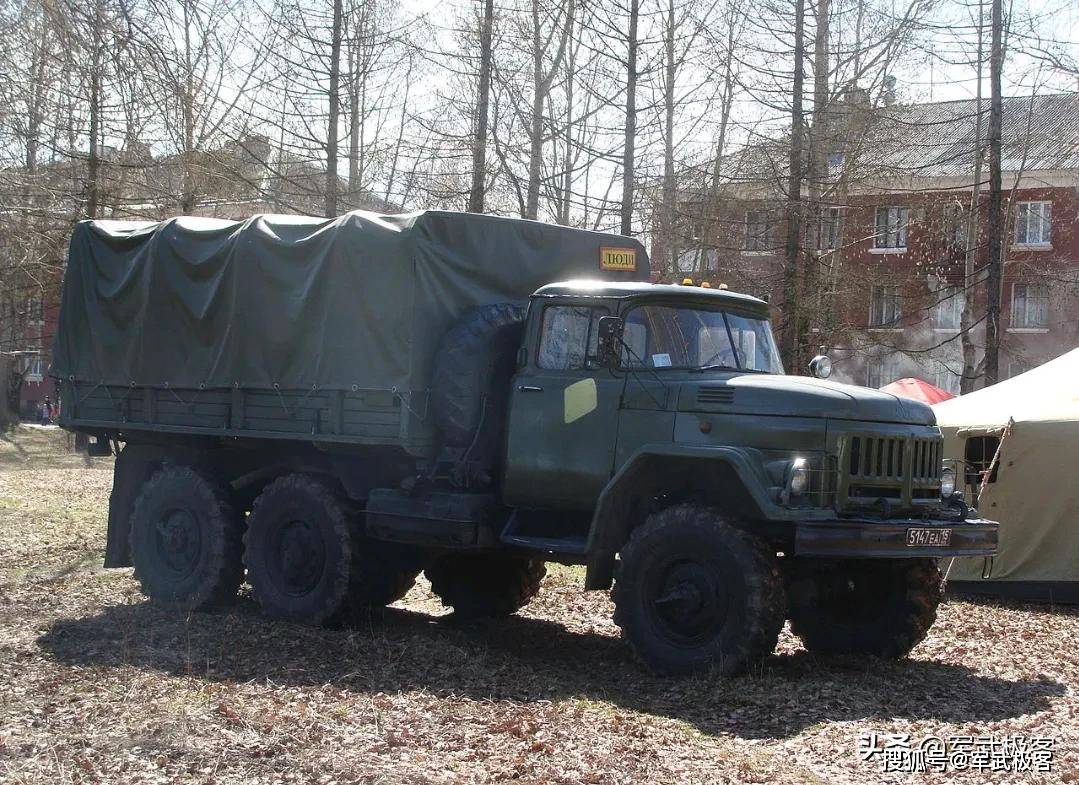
[(893, 248)]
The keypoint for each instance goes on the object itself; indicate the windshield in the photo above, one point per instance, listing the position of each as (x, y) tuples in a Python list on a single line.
[(663, 336)]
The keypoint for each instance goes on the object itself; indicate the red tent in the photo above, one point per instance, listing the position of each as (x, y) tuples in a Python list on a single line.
[(917, 390)]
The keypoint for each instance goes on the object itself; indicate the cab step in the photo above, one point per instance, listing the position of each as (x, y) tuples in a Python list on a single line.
[(569, 546)]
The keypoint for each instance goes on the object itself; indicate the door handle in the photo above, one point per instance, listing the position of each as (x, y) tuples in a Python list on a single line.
[(528, 388)]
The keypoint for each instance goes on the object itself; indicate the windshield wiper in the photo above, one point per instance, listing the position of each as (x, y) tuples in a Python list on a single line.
[(716, 367), (701, 368)]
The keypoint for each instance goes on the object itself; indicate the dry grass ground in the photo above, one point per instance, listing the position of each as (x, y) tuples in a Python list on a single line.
[(98, 686)]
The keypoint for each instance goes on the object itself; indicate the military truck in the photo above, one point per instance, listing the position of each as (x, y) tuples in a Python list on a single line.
[(328, 408)]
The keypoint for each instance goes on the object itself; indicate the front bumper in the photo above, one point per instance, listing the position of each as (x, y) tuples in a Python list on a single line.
[(887, 539)]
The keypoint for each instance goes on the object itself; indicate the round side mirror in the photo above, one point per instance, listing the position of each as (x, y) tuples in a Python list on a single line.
[(820, 366)]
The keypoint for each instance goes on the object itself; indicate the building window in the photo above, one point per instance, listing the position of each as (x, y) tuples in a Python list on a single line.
[(1018, 366), (33, 366), (954, 225), (884, 308), (698, 260), (891, 228), (945, 378), (947, 308), (1032, 221), (828, 229), (759, 226), (1030, 306), (881, 371)]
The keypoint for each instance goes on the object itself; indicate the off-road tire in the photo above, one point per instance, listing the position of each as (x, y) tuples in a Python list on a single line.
[(382, 573), (687, 567), (485, 585), (185, 539), (347, 572), (475, 359), (878, 607), (299, 550)]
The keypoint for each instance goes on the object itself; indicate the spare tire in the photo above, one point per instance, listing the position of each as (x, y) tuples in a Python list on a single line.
[(475, 362)]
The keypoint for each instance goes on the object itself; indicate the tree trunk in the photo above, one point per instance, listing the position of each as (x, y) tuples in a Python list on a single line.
[(811, 307), (354, 131), (966, 319), (478, 192), (996, 195), (667, 229), (541, 86), (631, 121), (791, 295), (93, 160), (187, 110), (535, 131), (334, 98)]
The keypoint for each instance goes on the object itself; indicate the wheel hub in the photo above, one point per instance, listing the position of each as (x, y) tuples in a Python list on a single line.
[(301, 557), (691, 601), (179, 541)]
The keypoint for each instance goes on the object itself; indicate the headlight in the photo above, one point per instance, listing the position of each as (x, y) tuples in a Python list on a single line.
[(798, 482), (820, 366), (947, 483)]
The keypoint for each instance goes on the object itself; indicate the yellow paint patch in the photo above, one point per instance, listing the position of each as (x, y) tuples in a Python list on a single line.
[(579, 399)]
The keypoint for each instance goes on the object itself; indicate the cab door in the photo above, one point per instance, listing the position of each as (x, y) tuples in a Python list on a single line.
[(563, 420)]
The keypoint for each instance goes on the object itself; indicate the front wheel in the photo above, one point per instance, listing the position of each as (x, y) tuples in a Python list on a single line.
[(879, 607), (694, 591)]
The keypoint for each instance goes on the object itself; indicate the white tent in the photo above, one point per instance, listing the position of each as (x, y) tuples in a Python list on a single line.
[(1026, 430)]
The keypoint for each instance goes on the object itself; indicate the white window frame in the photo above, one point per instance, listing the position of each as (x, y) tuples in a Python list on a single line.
[(956, 217), (896, 228), (947, 303), (760, 241), (829, 217), (881, 296), (34, 365), (1021, 311), (1016, 367), (945, 378), (1039, 220), (881, 370)]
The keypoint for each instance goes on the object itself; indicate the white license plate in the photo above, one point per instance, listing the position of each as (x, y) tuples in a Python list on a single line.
[(918, 538)]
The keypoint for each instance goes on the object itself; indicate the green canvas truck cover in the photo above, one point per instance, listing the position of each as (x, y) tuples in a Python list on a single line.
[(288, 303)]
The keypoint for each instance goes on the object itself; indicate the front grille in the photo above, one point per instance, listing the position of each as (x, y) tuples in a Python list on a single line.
[(901, 469)]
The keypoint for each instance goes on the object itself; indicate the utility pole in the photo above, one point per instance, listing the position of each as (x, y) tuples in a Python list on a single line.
[(478, 192), (996, 197), (791, 295)]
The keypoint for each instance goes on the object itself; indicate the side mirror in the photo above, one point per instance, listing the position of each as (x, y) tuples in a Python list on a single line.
[(820, 366), (609, 342)]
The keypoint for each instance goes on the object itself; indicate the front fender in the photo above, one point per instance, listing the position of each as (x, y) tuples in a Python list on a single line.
[(614, 510)]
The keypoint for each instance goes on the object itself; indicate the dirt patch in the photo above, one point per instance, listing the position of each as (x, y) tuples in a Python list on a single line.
[(96, 685)]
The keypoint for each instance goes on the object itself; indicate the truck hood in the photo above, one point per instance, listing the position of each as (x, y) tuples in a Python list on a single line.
[(800, 396)]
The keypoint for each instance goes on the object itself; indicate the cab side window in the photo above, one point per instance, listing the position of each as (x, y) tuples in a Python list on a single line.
[(569, 338)]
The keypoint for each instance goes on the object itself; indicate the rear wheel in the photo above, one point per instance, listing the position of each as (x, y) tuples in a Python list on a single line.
[(485, 585), (186, 540), (879, 607), (693, 592), (299, 550), (308, 562)]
